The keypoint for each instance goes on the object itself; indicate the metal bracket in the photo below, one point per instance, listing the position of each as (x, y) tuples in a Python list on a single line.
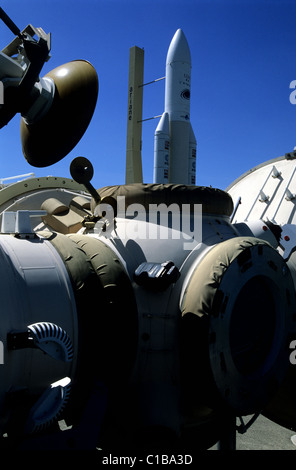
[(288, 240), (19, 222), (156, 276), (244, 427), (20, 340)]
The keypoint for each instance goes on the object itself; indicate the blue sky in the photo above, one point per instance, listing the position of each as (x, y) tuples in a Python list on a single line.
[(243, 60)]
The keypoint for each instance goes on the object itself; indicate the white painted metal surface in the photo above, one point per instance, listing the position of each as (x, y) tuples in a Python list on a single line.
[(34, 288), (266, 192)]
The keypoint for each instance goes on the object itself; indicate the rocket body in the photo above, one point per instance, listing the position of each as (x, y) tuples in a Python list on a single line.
[(182, 142), (162, 150)]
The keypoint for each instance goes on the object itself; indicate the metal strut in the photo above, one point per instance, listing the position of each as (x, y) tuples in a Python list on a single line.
[(244, 427), (228, 438)]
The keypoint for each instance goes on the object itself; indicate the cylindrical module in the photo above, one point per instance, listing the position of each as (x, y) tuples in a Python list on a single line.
[(39, 330), (161, 150)]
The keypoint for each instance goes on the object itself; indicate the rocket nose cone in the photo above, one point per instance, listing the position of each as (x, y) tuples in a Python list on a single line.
[(163, 125), (179, 50)]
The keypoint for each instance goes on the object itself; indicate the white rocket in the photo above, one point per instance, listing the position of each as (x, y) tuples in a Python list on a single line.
[(174, 140)]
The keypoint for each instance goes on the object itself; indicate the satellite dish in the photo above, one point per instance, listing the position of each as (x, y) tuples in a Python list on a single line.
[(56, 109), (82, 172), (49, 138)]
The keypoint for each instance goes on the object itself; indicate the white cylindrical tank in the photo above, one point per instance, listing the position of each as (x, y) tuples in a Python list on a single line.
[(38, 327)]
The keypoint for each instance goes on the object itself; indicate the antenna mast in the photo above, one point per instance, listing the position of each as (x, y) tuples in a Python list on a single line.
[(134, 173)]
